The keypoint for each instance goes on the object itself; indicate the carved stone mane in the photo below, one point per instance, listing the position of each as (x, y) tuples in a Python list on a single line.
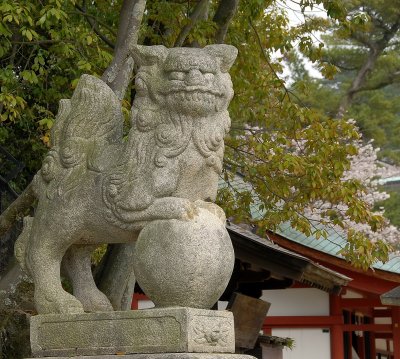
[(181, 103), (181, 99), (171, 136)]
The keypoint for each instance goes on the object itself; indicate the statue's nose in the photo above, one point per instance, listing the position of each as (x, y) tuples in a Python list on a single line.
[(194, 77)]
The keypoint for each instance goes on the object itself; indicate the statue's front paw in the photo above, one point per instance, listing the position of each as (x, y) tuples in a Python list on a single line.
[(185, 209), (93, 300), (212, 208), (176, 208), (52, 302)]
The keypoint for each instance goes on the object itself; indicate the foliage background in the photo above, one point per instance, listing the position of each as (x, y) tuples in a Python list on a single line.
[(291, 152)]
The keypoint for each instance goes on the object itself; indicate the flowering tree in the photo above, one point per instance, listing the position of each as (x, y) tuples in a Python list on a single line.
[(366, 168), (341, 196)]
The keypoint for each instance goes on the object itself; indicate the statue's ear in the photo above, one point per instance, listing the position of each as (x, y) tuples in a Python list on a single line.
[(148, 55), (225, 53)]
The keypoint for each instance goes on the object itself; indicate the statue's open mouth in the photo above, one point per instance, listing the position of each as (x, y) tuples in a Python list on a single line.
[(194, 95)]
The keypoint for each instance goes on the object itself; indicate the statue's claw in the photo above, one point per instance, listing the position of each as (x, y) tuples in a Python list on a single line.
[(173, 208), (189, 210), (94, 301), (57, 302), (212, 208)]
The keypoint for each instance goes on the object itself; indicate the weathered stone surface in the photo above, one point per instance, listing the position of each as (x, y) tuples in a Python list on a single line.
[(95, 188), (14, 334), (164, 356), (142, 331), (184, 263), (118, 281), (16, 307)]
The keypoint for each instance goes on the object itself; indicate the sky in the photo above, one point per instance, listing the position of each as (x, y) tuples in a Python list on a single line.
[(296, 17)]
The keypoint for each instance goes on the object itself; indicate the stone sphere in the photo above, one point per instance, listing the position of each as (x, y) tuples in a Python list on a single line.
[(184, 263)]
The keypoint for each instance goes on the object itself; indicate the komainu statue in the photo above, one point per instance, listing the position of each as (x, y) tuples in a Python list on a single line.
[(95, 187)]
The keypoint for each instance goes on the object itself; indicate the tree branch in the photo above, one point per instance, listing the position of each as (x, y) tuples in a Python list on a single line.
[(79, 12), (394, 77), (38, 42), (391, 32), (361, 38), (16, 210), (195, 16), (223, 16), (341, 67), (93, 24), (267, 60), (15, 37), (358, 82), (376, 49), (119, 73)]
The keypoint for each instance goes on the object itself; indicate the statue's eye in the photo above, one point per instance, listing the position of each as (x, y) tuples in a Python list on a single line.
[(209, 76), (176, 75)]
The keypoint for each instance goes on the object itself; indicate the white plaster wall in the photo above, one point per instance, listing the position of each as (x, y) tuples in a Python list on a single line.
[(351, 294), (145, 304), (308, 343), (383, 320), (380, 344), (297, 302)]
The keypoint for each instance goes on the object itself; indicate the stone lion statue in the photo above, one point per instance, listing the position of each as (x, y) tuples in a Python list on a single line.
[(95, 187)]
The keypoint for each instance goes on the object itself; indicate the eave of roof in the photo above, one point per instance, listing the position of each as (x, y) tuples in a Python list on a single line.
[(392, 297), (373, 281), (332, 245), (265, 254)]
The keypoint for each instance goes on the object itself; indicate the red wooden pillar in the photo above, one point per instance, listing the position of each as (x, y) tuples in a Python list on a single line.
[(396, 332), (388, 347), (361, 346), (350, 342), (267, 330), (372, 345), (349, 335), (337, 345), (135, 300)]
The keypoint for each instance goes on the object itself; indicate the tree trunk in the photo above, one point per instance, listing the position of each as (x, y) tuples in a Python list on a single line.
[(376, 49), (223, 16), (358, 81), (118, 74), (199, 12), (17, 209)]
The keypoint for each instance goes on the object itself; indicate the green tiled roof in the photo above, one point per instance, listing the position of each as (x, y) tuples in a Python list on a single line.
[(389, 180), (332, 245)]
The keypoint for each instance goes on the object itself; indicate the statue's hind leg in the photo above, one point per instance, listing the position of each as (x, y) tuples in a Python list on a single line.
[(77, 264), (118, 278), (48, 243)]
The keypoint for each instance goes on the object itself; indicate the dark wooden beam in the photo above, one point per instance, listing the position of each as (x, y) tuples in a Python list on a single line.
[(302, 321), (382, 313), (352, 303), (383, 335), (377, 328), (383, 280)]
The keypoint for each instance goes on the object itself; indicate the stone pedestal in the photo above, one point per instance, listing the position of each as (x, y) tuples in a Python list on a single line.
[(163, 356), (170, 330)]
